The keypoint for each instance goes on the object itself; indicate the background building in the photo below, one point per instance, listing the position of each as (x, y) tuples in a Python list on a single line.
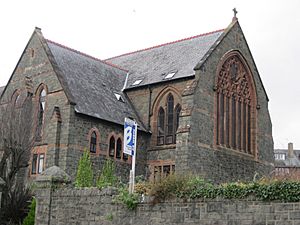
[(287, 161)]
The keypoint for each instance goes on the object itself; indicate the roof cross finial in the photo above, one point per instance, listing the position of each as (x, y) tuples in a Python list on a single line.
[(234, 16)]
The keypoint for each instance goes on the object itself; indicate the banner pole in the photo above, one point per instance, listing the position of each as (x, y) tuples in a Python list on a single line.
[(134, 158)]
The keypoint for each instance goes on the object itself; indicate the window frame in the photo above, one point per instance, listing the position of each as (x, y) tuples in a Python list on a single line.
[(97, 144), (93, 142), (38, 162), (41, 108), (166, 120), (122, 157)]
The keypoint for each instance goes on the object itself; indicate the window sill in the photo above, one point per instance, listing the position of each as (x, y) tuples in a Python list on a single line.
[(163, 147), (234, 151)]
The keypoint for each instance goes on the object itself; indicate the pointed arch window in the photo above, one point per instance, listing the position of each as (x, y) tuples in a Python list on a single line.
[(168, 121), (112, 147), (93, 142), (41, 112), (16, 98), (115, 149), (235, 97), (119, 149)]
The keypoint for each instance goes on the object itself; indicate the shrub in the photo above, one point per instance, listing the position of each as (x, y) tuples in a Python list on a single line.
[(107, 176), (196, 187), (84, 177), (29, 220), (15, 205), (142, 188), (169, 187), (130, 200)]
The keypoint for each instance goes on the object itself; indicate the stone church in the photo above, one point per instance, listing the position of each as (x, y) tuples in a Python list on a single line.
[(199, 102)]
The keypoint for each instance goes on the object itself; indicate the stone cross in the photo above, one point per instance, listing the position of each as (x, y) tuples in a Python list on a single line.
[(235, 12)]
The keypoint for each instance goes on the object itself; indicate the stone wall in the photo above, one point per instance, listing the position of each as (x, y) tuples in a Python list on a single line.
[(91, 206)]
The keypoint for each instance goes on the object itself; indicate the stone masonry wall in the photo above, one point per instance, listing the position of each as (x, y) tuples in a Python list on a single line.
[(91, 207), (79, 137), (145, 101)]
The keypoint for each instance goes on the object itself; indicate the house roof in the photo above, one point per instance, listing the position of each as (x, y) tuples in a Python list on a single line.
[(93, 84), (152, 65)]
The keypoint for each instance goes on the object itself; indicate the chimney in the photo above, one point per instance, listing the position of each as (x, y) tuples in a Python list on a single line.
[(290, 150)]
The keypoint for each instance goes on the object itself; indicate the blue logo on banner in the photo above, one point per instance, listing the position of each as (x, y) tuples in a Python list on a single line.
[(129, 137)]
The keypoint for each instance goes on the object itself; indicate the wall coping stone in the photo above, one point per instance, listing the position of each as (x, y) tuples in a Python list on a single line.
[(54, 174)]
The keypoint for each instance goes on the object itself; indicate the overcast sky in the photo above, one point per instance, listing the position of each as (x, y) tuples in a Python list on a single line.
[(108, 28)]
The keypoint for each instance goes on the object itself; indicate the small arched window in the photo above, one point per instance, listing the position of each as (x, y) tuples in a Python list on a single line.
[(115, 148), (111, 150), (119, 149), (16, 99), (168, 121), (93, 142), (41, 112)]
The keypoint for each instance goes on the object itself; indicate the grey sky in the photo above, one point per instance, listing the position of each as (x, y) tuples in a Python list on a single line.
[(107, 28)]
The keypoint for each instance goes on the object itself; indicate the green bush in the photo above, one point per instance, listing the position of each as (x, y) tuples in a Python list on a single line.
[(29, 220), (196, 187), (107, 176), (169, 187), (129, 200), (84, 177)]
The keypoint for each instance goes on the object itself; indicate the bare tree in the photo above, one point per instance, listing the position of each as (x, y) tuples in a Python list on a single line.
[(16, 128)]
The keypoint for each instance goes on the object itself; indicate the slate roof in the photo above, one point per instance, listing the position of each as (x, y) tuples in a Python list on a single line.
[(1, 89), (289, 161), (93, 84), (151, 65)]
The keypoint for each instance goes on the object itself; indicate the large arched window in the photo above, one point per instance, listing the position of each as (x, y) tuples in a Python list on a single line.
[(235, 101), (93, 142), (167, 121), (41, 112)]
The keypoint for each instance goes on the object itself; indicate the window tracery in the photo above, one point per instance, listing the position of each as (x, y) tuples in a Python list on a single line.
[(234, 111)]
